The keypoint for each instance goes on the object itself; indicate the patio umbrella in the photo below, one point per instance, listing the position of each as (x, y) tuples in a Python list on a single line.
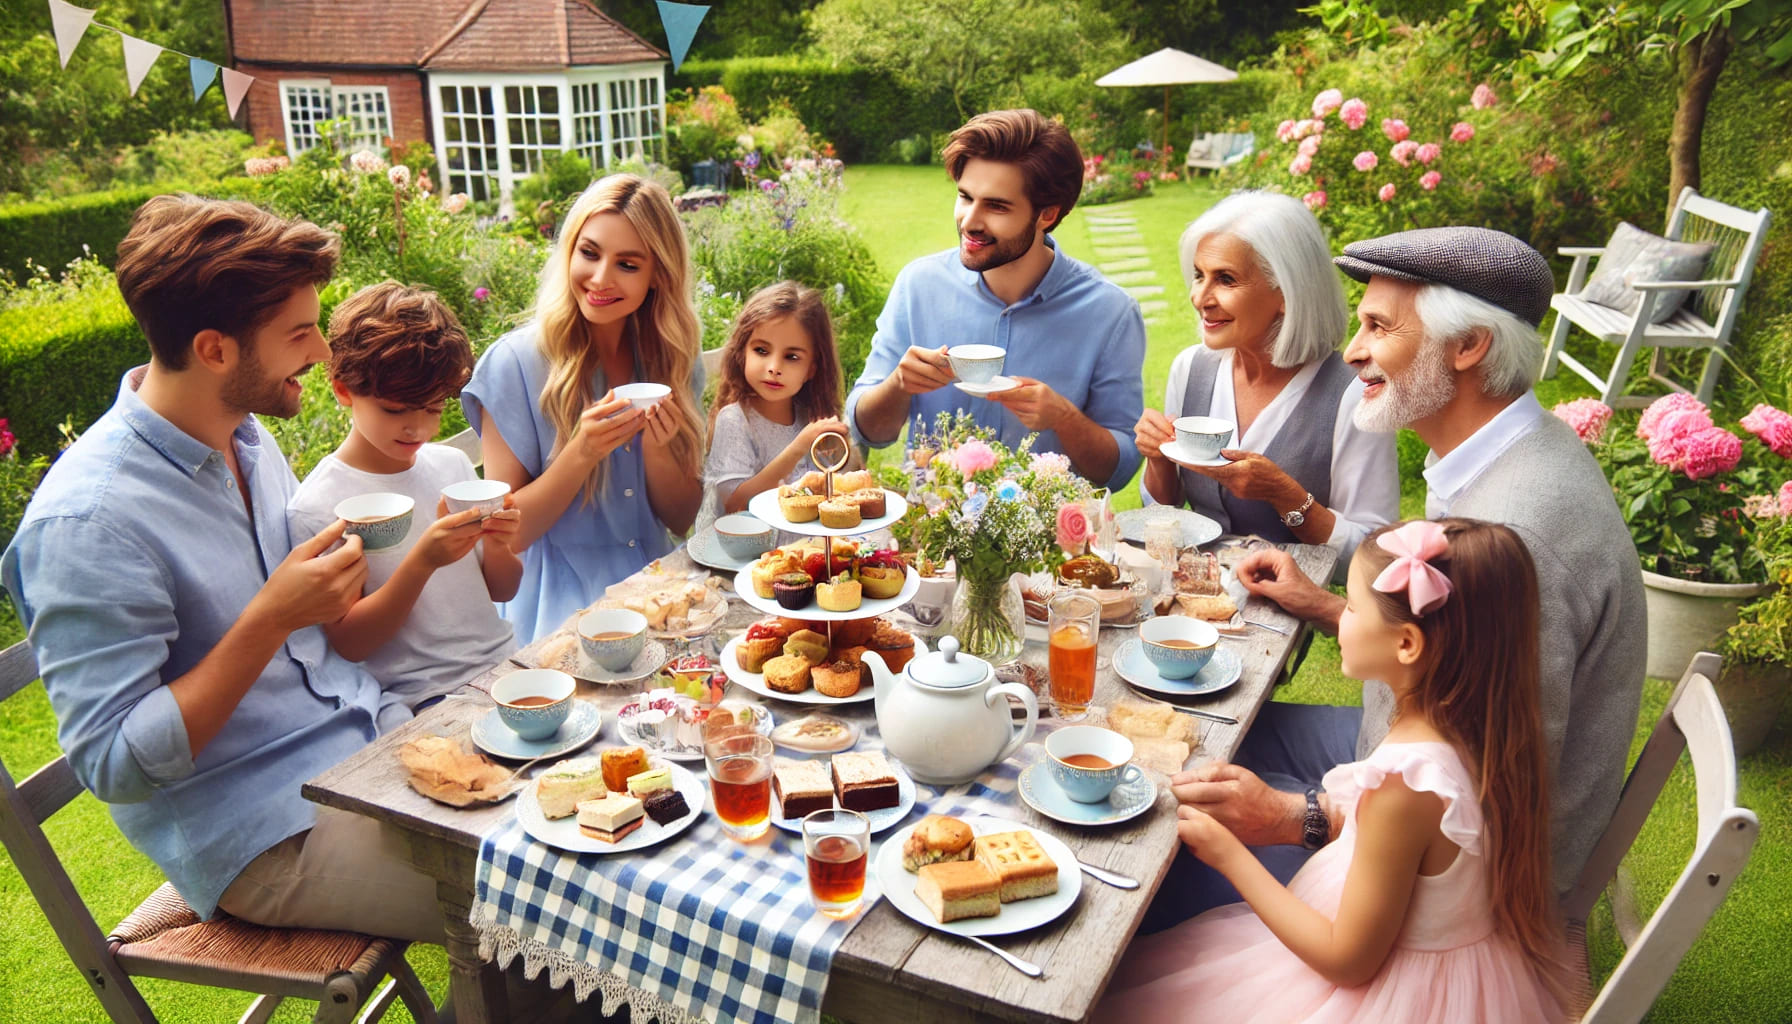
[(1168, 66)]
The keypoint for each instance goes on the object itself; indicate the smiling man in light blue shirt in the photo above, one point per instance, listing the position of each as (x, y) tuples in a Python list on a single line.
[(1074, 341)]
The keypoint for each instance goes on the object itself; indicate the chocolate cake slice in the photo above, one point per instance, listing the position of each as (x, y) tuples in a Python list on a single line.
[(665, 806), (864, 781)]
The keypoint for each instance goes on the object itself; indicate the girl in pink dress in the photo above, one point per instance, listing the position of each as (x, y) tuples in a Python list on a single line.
[(1434, 903)]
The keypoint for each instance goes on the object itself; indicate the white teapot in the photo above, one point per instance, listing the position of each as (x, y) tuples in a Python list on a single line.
[(945, 717)]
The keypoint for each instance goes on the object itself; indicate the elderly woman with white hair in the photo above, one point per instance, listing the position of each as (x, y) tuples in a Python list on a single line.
[(1272, 314)]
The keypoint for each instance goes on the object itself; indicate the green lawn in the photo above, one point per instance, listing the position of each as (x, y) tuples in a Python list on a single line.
[(1734, 973)]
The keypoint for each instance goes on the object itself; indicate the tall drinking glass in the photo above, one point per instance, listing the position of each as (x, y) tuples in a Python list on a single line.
[(1073, 625), (740, 777), (836, 845)]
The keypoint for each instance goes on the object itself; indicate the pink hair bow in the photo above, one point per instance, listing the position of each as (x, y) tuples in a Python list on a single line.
[(1413, 546)]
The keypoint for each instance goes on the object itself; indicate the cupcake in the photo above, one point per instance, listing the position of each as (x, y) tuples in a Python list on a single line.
[(839, 514), (836, 679), (840, 594), (799, 507), (793, 590), (870, 501)]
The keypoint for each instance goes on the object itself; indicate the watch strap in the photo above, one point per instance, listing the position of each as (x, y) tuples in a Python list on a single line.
[(1298, 516), (1316, 828)]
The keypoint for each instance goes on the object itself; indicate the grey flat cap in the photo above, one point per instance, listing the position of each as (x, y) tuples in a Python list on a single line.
[(1485, 263)]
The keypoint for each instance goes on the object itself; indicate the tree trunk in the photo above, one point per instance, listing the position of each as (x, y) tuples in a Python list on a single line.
[(1701, 62)]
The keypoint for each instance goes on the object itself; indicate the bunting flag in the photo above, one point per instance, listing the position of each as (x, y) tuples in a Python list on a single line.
[(236, 84), (70, 24), (203, 73), (139, 55), (680, 21)]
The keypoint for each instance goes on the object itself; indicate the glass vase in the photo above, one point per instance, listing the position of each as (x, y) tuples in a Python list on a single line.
[(988, 617)]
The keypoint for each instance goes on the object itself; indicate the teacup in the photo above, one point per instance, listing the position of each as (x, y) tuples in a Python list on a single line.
[(613, 637), (976, 364), (1178, 646), (485, 495), (534, 702), (380, 519), (743, 537), (643, 394), (1203, 436), (1088, 762)]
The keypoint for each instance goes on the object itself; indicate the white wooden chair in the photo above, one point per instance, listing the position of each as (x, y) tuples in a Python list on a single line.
[(1706, 321), (1694, 722), (1218, 150), (468, 443), (164, 938)]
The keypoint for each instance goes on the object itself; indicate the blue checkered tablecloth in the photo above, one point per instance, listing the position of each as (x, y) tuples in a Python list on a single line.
[(698, 927)]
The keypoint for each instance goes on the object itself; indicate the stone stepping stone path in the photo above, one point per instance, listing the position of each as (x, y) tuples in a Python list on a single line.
[(1122, 257), (1143, 291), (1132, 277)]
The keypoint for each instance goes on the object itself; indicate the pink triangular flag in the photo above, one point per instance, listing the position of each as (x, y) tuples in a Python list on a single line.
[(236, 85), (70, 24), (139, 54)]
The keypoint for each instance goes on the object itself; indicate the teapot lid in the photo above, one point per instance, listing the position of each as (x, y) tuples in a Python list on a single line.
[(947, 668)]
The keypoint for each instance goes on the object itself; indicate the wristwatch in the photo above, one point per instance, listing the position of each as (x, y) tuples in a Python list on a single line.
[(1315, 828), (1299, 515)]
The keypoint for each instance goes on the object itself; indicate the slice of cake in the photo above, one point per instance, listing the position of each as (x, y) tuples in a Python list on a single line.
[(958, 889), (666, 806), (650, 781), (787, 673), (802, 786), (610, 818), (864, 781), (565, 784), (1019, 863), (619, 764)]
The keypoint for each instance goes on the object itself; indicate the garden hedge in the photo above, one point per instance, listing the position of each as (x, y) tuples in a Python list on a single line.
[(53, 231), (863, 113), (64, 360)]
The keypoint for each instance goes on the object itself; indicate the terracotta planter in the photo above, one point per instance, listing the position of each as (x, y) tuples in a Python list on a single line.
[(1686, 618), (1752, 696)]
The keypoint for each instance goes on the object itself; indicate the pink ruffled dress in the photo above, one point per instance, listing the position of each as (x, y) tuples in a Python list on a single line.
[(1446, 965)]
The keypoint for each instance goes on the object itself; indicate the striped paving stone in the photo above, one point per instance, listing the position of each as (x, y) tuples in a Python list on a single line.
[(1134, 277), (1120, 252), (1130, 230), (1151, 307), (1140, 291), (1117, 266)]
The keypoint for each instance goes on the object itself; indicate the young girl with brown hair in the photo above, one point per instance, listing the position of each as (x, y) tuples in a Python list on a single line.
[(1435, 902)]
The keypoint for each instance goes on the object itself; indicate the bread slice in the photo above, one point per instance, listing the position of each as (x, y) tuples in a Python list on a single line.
[(958, 889), (565, 784), (1019, 863), (787, 673), (864, 781), (802, 786)]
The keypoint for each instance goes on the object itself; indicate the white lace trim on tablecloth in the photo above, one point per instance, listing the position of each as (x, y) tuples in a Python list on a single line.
[(500, 944)]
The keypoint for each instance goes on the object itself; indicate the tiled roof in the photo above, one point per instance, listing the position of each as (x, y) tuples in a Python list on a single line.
[(459, 35)]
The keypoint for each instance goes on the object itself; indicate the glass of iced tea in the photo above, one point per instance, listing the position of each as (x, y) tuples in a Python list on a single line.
[(1074, 623), (740, 777), (836, 845)]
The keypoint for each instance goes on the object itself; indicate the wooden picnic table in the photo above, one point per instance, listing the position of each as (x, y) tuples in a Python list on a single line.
[(888, 968)]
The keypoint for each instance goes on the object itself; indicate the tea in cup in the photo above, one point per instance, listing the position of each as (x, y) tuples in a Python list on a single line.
[(485, 495), (1088, 762), (976, 364), (381, 519), (1178, 646), (613, 637), (1203, 436), (534, 702)]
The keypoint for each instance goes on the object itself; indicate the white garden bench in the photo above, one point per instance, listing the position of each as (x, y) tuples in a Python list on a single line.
[(1217, 150)]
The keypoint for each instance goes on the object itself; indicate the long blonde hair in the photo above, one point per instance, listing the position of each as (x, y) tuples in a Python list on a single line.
[(664, 331)]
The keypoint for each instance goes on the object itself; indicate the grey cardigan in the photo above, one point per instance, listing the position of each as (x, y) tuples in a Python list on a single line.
[(1548, 488)]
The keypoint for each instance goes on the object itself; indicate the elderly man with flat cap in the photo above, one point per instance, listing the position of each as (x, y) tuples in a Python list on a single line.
[(1448, 346)]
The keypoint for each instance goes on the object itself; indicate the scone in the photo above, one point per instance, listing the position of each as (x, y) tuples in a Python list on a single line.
[(836, 678), (857, 480), (808, 645), (787, 673), (935, 840), (840, 594), (799, 507), (839, 514), (871, 502)]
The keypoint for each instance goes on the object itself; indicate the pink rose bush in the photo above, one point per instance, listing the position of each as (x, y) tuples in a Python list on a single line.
[(1326, 102), (1427, 152), (1309, 145), (1301, 164), (1354, 113), (1430, 180), (1314, 200), (1285, 131), (1365, 161), (262, 166), (1588, 417), (1483, 97), (1395, 129), (1461, 131), (1403, 151), (1773, 427), (1386, 193)]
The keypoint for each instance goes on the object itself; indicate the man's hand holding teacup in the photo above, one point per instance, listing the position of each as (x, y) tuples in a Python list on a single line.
[(924, 369), (1035, 404), (313, 585)]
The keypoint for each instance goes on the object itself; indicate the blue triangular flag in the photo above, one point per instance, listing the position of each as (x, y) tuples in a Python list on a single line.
[(681, 21), (204, 72)]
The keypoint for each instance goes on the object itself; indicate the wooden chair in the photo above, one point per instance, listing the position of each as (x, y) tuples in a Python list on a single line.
[(1216, 151), (164, 938), (1706, 321), (468, 443), (1694, 722)]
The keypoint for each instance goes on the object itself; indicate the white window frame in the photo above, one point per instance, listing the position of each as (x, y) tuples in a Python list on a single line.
[(334, 96), (293, 147), (375, 135), (438, 126)]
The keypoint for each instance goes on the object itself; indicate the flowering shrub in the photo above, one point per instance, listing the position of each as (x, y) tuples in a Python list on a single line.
[(1112, 181)]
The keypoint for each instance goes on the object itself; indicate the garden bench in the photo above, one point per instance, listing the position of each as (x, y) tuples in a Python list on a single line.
[(1218, 150), (1706, 321)]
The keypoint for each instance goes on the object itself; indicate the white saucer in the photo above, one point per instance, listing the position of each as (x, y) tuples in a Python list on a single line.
[(996, 385), (1175, 452), (705, 548), (652, 656), (1221, 671), (1042, 793), (1197, 529), (880, 819), (491, 735)]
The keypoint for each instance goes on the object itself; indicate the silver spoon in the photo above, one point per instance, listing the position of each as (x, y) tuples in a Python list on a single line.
[(1114, 879), (1031, 970)]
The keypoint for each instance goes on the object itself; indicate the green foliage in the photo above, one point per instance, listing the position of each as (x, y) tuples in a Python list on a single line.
[(861, 111), (63, 360), (1762, 634), (205, 155), (1114, 181), (542, 198), (56, 231), (705, 124), (18, 481)]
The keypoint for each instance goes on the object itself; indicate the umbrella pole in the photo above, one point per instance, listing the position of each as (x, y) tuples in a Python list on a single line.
[(1166, 149)]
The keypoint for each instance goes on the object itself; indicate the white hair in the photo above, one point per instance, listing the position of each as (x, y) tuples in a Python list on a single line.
[(1514, 356), (1292, 252)]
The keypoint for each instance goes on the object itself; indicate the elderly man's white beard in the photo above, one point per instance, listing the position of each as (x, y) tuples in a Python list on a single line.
[(1425, 388)]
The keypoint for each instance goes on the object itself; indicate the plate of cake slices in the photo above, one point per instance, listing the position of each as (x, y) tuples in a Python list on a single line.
[(857, 506), (1006, 878), (816, 662), (612, 803), (860, 780)]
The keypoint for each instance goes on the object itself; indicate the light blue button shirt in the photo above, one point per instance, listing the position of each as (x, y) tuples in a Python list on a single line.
[(1077, 332), (134, 558)]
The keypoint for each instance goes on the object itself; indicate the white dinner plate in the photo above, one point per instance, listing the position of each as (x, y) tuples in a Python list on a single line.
[(869, 607), (491, 735), (899, 884), (755, 681), (1175, 452), (764, 506), (880, 819), (564, 832), (995, 385), (1197, 529)]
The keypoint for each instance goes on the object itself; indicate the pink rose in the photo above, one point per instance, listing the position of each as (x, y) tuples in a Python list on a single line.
[(1285, 131), (1395, 129), (1658, 410), (1709, 452), (1309, 145), (1773, 427), (1429, 180), (1428, 152), (1307, 126), (1326, 102), (1588, 417), (399, 175), (1073, 527), (1483, 97), (1461, 131), (973, 456), (1786, 498), (1403, 151), (1386, 193), (1314, 200), (1354, 113), (1365, 161), (1301, 164)]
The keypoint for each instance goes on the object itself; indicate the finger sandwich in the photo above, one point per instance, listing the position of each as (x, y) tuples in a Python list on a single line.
[(565, 784), (1022, 868), (610, 818)]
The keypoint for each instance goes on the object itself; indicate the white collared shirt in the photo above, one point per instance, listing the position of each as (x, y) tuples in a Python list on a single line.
[(1448, 476)]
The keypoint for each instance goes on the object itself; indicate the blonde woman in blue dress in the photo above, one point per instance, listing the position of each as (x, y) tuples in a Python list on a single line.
[(604, 486)]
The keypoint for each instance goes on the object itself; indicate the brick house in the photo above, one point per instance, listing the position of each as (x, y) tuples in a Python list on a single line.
[(492, 85)]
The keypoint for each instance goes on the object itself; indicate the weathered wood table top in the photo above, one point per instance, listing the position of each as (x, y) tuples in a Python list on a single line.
[(888, 968)]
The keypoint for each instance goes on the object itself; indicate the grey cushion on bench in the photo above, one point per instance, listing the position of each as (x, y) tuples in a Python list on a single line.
[(1632, 255)]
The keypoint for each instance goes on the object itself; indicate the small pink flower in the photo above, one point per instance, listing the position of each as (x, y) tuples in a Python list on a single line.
[(1773, 427), (1307, 126), (1285, 131), (1709, 452), (1403, 151), (456, 202), (1365, 161), (1301, 164), (1309, 146), (1761, 506), (1786, 498), (1386, 193), (1461, 131), (1314, 200), (1483, 97), (1354, 113), (972, 457), (481, 293), (1326, 102), (1429, 180), (1073, 527), (399, 175), (1658, 410), (1588, 417), (1395, 129), (1428, 152)]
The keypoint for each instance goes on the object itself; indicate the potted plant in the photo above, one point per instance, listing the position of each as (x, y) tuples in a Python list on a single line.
[(1685, 486), (1757, 648)]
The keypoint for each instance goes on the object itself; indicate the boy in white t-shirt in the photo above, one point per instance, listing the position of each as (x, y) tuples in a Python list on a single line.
[(426, 622)]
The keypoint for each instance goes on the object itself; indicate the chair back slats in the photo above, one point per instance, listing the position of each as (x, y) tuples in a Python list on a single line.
[(49, 789), (18, 669), (467, 442), (1700, 716)]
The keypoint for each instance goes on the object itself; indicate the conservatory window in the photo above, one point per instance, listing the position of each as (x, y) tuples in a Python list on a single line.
[(306, 104), (532, 117), (634, 118), (469, 139)]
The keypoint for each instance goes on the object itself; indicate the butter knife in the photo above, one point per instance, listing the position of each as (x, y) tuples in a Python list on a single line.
[(1210, 716), (1118, 881)]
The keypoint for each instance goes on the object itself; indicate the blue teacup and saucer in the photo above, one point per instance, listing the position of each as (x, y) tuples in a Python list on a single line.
[(1086, 778)]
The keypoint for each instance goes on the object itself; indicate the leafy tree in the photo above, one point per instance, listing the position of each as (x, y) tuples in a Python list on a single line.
[(738, 28)]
